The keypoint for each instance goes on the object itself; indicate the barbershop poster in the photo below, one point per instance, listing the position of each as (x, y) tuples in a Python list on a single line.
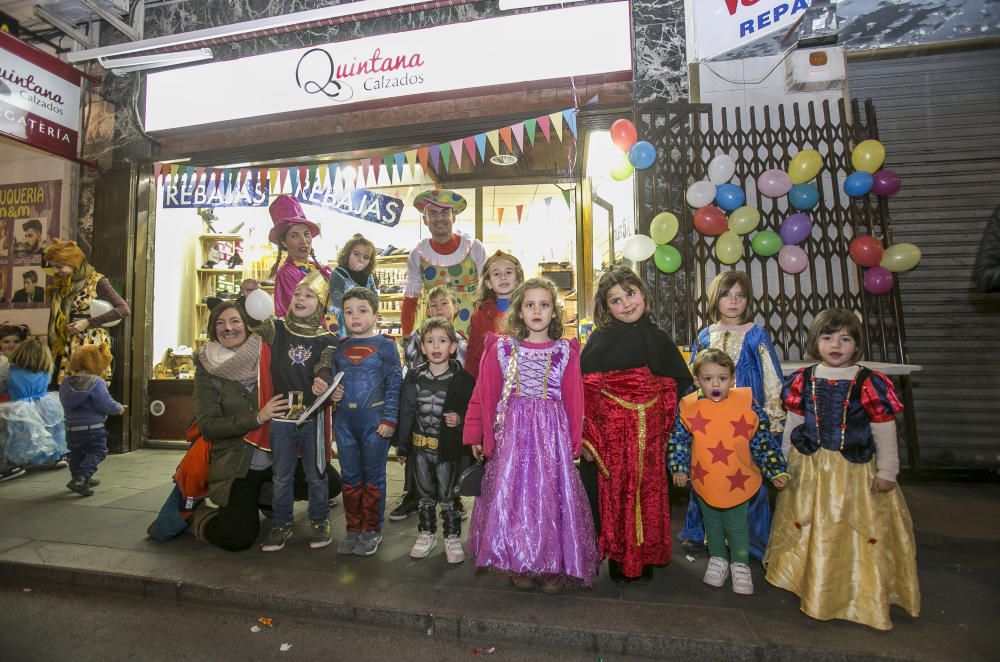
[(29, 220)]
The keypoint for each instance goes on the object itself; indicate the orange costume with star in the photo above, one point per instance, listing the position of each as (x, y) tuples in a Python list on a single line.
[(723, 472)]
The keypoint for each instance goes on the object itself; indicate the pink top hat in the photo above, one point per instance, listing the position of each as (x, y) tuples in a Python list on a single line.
[(285, 212)]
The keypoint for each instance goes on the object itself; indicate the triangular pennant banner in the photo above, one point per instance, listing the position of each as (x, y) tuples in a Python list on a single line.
[(548, 204), (322, 177), (518, 131), (293, 173), (241, 177), (480, 139), (456, 150), (282, 174), (411, 159), (470, 147), (304, 176), (519, 209), (570, 117), (499, 215), (505, 137), (494, 138), (546, 127), (365, 166), (272, 181), (312, 177), (556, 120), (435, 152), (333, 169), (422, 155), (376, 168), (198, 174), (529, 129), (567, 196), (445, 155), (397, 158)]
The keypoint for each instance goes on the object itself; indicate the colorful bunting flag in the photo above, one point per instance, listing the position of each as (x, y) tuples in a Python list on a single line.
[(435, 152), (505, 137), (494, 138), (456, 150), (518, 130), (556, 120), (529, 128), (519, 209), (445, 155), (422, 154), (546, 127), (470, 147), (333, 170), (499, 215), (570, 117), (566, 196), (411, 160), (481, 145), (397, 158)]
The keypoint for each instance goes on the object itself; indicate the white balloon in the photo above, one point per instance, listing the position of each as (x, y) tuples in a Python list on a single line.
[(700, 194), (259, 305), (721, 169), (638, 248), (99, 307)]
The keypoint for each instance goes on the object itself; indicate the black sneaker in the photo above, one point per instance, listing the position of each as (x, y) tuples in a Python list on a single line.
[(405, 506), (79, 485), (11, 472), (276, 538)]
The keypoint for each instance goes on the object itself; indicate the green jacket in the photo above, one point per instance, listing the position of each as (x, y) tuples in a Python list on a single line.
[(225, 411)]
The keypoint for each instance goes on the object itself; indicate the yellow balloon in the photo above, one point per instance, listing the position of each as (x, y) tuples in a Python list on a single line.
[(663, 228), (868, 156), (805, 166), (744, 220), (622, 170), (900, 257), (729, 247)]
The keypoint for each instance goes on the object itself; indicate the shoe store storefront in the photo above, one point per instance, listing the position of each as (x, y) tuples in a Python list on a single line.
[(393, 116)]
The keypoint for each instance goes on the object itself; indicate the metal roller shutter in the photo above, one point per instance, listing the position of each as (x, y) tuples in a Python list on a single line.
[(939, 119)]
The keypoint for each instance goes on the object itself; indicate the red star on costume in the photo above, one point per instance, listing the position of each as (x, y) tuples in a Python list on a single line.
[(738, 481), (720, 454), (698, 473), (742, 428), (699, 423)]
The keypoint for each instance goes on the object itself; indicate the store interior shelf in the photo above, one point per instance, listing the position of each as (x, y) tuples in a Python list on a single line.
[(222, 237)]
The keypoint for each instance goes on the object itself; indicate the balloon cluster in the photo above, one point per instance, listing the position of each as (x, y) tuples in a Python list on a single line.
[(662, 230), (637, 154), (868, 175), (711, 220), (881, 264)]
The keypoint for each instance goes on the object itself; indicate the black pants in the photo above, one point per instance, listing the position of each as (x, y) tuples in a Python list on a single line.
[(435, 484), (237, 526)]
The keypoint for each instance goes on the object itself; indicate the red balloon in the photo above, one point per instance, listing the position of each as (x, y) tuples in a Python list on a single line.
[(623, 134), (866, 251), (710, 221)]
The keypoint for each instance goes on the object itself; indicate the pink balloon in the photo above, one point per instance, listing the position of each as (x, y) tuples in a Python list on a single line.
[(792, 259), (878, 281), (774, 183), (886, 182)]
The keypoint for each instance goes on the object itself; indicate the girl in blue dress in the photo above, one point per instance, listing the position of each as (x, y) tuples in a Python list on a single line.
[(757, 368), (33, 418)]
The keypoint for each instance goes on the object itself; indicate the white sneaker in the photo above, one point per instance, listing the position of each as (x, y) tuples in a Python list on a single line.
[(742, 580), (453, 549), (717, 572), (425, 543)]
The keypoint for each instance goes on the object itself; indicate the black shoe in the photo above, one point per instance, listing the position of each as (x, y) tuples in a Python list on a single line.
[(209, 265), (615, 572), (11, 472), (235, 261), (79, 485), (406, 506)]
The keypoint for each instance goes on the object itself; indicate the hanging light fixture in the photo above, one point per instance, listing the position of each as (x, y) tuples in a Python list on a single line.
[(503, 157)]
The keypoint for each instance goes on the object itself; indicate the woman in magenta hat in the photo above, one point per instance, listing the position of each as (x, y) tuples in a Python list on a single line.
[(293, 234)]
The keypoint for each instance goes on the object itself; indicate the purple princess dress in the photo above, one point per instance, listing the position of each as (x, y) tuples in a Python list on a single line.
[(533, 516)]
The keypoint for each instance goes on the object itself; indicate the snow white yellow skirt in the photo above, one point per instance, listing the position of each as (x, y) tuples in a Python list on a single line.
[(847, 553)]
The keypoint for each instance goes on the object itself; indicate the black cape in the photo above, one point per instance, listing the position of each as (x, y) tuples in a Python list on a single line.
[(622, 346)]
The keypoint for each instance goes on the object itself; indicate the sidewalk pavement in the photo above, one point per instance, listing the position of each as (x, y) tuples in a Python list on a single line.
[(99, 542)]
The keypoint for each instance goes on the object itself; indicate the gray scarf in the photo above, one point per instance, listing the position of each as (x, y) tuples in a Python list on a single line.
[(236, 365)]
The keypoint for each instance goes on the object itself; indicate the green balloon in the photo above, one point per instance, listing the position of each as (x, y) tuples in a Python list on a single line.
[(667, 258), (622, 170), (766, 243), (663, 228)]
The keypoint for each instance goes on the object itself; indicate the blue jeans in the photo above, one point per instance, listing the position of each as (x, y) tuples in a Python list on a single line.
[(287, 443), (362, 456), (87, 448)]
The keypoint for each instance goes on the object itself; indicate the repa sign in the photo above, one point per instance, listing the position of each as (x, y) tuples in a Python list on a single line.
[(592, 40), (722, 25)]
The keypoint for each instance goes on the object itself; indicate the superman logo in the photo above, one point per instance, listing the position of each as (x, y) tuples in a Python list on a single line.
[(357, 353)]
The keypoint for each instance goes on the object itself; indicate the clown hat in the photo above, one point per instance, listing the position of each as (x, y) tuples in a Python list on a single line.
[(285, 212), (440, 198)]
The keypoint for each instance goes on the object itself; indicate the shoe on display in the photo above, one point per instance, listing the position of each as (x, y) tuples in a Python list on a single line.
[(235, 261), (209, 265), (742, 580), (426, 541), (368, 543), (346, 545), (453, 549), (276, 538), (404, 506), (717, 572), (321, 535), (387, 250), (79, 485), (11, 472)]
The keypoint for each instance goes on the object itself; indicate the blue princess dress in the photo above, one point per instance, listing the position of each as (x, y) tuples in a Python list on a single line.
[(757, 368), (32, 421)]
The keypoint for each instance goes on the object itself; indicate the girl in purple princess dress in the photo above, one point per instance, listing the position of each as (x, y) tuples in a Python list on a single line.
[(532, 519)]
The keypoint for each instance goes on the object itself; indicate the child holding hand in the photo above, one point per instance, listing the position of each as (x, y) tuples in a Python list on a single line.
[(842, 538), (722, 440)]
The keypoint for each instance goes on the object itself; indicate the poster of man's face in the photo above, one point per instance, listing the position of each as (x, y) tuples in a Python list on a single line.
[(30, 237), (28, 285)]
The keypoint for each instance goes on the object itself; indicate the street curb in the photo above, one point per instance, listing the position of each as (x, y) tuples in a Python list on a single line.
[(454, 626)]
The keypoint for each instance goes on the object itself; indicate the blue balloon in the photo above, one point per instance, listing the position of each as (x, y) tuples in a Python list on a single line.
[(803, 197), (729, 197), (858, 183), (642, 155)]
